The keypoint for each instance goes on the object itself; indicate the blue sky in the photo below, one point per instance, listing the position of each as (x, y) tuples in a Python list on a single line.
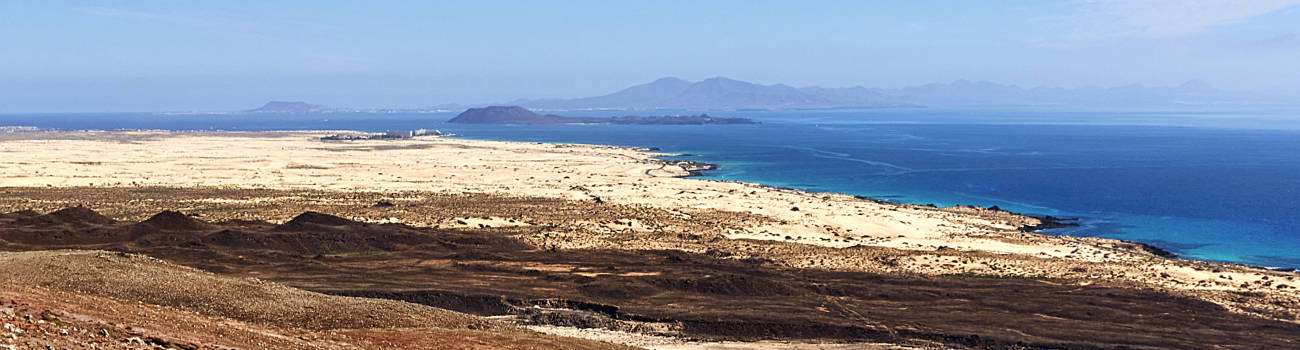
[(145, 55)]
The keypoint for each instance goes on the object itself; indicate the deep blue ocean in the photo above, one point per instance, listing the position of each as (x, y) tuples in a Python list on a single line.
[(1208, 185)]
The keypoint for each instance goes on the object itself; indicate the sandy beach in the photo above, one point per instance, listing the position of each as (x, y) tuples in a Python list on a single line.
[(295, 160), (665, 210)]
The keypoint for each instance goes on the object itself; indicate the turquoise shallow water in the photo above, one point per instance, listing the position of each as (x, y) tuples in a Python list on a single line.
[(1226, 188)]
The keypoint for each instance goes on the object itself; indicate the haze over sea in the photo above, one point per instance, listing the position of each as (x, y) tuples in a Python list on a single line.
[(1207, 185)]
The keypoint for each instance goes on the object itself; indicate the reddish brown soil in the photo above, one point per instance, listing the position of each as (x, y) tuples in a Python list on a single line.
[(106, 300), (710, 295)]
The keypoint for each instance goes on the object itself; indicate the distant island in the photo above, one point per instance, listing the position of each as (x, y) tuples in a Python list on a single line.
[(520, 115), (721, 93), (288, 107), (725, 94)]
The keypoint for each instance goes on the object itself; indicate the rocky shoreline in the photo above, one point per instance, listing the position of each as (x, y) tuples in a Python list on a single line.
[(695, 170), (1044, 222)]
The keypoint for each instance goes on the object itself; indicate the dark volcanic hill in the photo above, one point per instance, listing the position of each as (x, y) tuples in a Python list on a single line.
[(520, 115), (287, 107), (507, 115)]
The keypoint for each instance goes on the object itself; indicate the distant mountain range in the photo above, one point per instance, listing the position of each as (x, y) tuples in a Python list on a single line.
[(719, 93), (730, 94), (520, 115)]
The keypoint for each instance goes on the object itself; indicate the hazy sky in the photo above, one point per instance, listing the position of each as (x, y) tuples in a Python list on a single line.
[(144, 55)]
